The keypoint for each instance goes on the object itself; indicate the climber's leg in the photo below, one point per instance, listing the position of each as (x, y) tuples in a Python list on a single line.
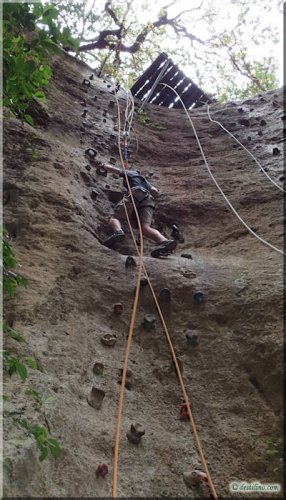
[(152, 234), (115, 224)]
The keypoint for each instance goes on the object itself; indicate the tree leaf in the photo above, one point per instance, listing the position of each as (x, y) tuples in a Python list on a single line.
[(21, 370), (32, 363), (44, 453), (55, 448), (40, 95), (29, 120)]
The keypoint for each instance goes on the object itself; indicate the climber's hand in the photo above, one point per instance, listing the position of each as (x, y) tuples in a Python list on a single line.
[(154, 192)]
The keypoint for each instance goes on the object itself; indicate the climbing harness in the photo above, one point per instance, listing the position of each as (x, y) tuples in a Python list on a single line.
[(247, 150), (216, 183), (129, 340), (140, 193)]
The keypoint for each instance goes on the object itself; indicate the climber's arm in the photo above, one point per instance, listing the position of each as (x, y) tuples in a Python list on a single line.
[(112, 169)]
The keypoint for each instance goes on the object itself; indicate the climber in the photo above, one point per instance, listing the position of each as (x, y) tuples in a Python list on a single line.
[(144, 195)]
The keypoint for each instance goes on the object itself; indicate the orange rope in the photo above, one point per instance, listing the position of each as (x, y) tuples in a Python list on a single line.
[(131, 328), (192, 421)]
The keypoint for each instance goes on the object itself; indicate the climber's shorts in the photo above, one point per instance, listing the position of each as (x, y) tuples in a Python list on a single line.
[(145, 213)]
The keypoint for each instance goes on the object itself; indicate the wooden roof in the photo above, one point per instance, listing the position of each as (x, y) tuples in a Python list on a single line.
[(191, 95)]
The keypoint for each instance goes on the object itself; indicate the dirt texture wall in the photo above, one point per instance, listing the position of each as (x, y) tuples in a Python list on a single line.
[(56, 209)]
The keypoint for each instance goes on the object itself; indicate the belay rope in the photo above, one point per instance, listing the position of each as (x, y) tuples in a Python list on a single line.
[(129, 340), (125, 149)]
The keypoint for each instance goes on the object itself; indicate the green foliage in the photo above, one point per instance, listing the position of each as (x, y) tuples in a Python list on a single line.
[(10, 279), (13, 334), (274, 448), (14, 365), (145, 120), (35, 155), (275, 453), (262, 72), (30, 37), (45, 443), (39, 399), (201, 37), (32, 363)]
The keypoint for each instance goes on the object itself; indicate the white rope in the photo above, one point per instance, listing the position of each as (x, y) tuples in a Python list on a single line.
[(249, 152), (208, 168), (129, 117)]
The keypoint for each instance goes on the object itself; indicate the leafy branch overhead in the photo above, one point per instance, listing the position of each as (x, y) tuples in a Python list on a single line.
[(217, 41), (220, 45)]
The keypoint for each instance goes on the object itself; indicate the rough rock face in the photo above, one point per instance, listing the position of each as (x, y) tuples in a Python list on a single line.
[(56, 210)]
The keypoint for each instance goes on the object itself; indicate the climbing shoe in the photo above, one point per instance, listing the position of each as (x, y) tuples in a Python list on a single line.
[(116, 237), (165, 248)]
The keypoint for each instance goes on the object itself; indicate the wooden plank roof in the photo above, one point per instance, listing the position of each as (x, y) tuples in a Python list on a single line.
[(191, 95)]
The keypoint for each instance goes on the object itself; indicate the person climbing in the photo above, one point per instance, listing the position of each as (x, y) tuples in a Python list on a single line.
[(144, 195)]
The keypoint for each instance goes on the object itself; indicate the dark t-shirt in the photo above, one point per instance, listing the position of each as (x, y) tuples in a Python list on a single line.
[(135, 179)]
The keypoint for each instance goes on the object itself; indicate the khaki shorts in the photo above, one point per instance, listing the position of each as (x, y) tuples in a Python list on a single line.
[(145, 213)]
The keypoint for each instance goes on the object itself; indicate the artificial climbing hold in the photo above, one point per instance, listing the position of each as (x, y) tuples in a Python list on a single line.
[(86, 82), (128, 384), (91, 77), (194, 478), (244, 122), (129, 373), (175, 232), (85, 177), (135, 433), (184, 414), (91, 152), (98, 368), (101, 470), (276, 151), (262, 123), (101, 171), (192, 339), (96, 397), (88, 168), (118, 308), (148, 322), (259, 132), (189, 274), (198, 297), (94, 194), (87, 125), (186, 256), (165, 295), (84, 113), (108, 339), (130, 262), (143, 281), (281, 178)]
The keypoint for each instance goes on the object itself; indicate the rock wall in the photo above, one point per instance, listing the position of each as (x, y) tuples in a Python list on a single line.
[(56, 210)]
